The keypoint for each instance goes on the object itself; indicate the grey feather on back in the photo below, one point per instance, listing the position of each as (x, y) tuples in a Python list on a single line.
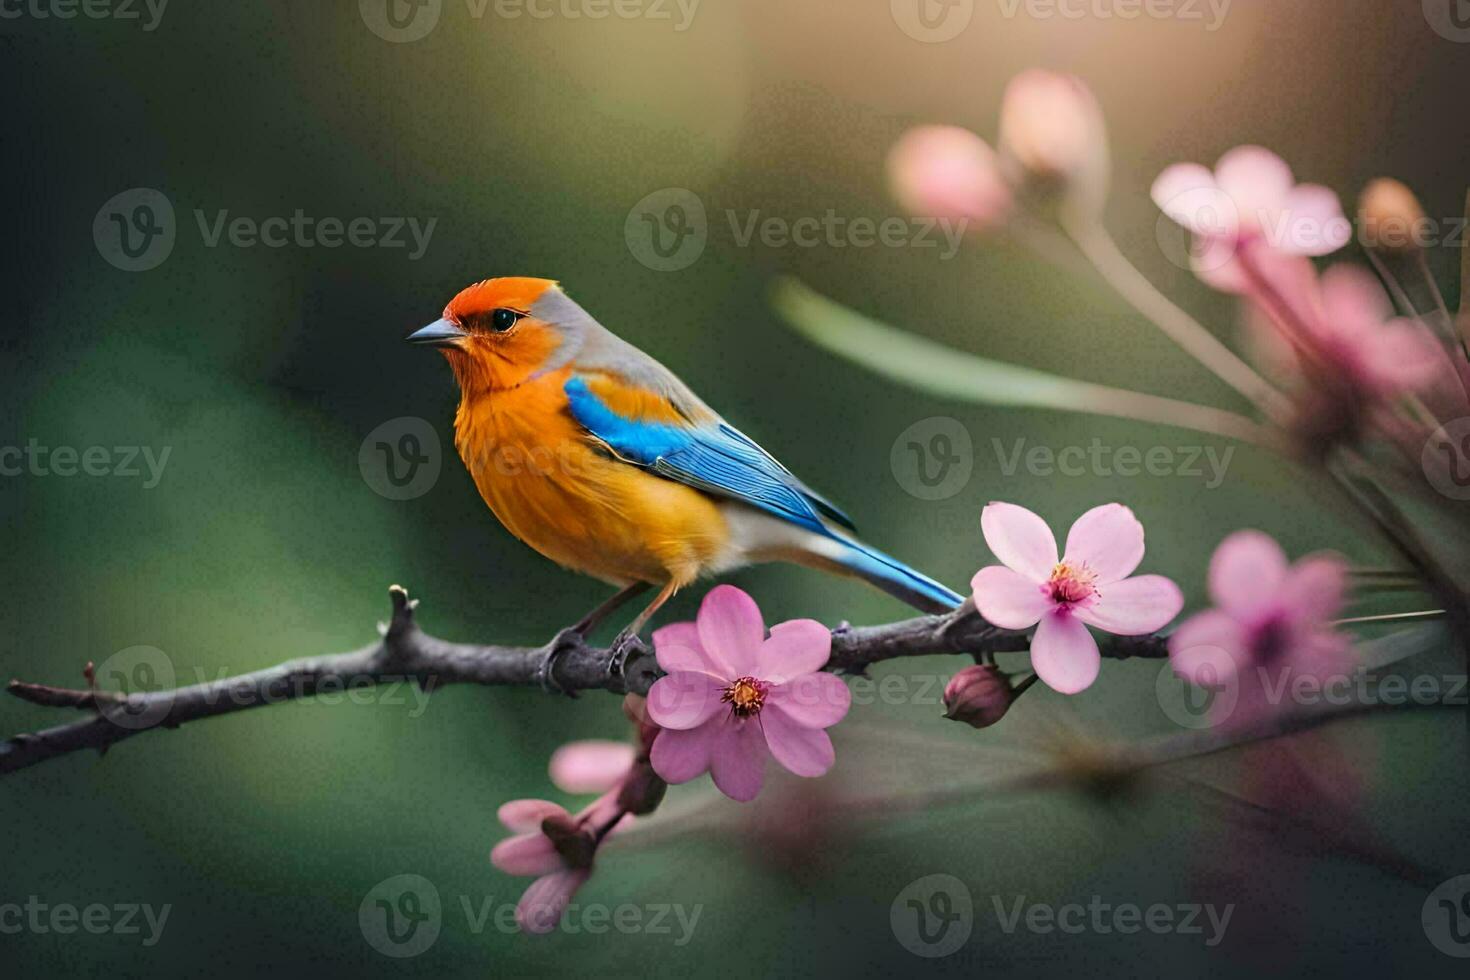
[(593, 347)]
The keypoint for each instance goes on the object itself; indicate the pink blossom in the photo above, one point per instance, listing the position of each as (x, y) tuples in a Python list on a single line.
[(1250, 199), (1087, 586), (551, 845), (1271, 626), (949, 173), (1052, 126), (732, 695), (1344, 322), (591, 766)]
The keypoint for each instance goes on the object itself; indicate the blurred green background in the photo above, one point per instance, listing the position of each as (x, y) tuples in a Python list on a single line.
[(529, 141)]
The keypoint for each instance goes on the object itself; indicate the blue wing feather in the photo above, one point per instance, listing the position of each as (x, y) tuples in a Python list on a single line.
[(716, 457), (722, 460)]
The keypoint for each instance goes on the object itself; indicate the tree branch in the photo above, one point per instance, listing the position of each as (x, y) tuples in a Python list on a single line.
[(405, 652)]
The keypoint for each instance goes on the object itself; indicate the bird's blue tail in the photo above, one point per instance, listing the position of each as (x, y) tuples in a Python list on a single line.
[(891, 575)]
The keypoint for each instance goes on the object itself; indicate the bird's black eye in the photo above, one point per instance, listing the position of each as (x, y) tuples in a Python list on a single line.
[(502, 320)]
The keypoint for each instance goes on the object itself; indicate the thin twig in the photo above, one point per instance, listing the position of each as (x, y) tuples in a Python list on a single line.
[(1100, 249)]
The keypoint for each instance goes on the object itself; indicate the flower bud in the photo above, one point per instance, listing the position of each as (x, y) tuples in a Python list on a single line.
[(949, 173), (979, 696), (575, 845), (1052, 130), (1390, 217)]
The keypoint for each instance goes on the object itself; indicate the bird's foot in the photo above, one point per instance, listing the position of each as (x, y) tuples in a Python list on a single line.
[(566, 640), (624, 647)]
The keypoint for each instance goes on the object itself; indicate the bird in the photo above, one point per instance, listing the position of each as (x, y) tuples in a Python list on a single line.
[(601, 459)]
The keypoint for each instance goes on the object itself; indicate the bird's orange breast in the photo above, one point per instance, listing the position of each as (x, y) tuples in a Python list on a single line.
[(559, 490)]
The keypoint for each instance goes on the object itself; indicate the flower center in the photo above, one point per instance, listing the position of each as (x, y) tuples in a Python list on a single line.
[(1272, 640), (746, 696), (1071, 584)]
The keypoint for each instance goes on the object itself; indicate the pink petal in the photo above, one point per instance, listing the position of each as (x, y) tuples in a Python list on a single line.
[(811, 701), (1108, 540), (1256, 179), (1352, 298), (1134, 606), (1312, 222), (600, 810), (540, 908), (1009, 599), (1293, 278), (677, 647), (525, 816), (1314, 589), (801, 646), (1208, 649), (679, 756), (731, 628), (684, 700), (1020, 539), (948, 172), (591, 766), (803, 751), (1246, 573), (1187, 192), (681, 634), (526, 854), (738, 760), (1064, 654), (1403, 355), (1217, 264)]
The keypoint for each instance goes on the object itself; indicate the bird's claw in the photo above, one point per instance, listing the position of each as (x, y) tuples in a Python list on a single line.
[(555, 650), (623, 647)]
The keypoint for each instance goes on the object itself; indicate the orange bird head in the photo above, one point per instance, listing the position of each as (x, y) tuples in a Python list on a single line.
[(494, 334)]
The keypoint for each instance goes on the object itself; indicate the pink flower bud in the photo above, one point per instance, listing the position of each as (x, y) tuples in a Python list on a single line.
[(575, 845), (1052, 129), (979, 696), (949, 173)]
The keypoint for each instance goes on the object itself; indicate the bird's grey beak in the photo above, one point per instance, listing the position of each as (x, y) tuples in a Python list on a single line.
[(440, 333)]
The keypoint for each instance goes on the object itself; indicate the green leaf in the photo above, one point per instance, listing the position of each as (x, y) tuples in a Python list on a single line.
[(940, 370)]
